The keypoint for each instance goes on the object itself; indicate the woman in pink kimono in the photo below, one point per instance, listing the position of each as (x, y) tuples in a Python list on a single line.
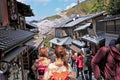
[(40, 65)]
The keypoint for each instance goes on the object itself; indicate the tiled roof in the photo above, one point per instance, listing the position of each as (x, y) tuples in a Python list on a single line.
[(61, 41), (77, 21), (78, 43), (110, 18), (62, 24), (13, 54), (10, 38), (83, 18), (93, 39), (83, 27)]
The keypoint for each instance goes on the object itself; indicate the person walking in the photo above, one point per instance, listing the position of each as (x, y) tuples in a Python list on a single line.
[(73, 58), (40, 65), (60, 69), (111, 58), (79, 62), (87, 63)]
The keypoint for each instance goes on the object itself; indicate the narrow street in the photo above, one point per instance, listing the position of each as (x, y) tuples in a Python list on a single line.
[(75, 69), (72, 24), (18, 76)]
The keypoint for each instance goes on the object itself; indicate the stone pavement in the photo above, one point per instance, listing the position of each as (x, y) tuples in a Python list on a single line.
[(75, 69)]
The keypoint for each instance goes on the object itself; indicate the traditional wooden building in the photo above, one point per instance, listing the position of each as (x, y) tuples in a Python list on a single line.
[(14, 35), (111, 26), (108, 28), (61, 36), (76, 28)]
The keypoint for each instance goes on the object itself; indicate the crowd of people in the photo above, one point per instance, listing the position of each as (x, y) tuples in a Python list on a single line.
[(105, 64), (45, 68)]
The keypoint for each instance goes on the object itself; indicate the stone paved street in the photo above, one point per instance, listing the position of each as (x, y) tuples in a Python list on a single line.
[(75, 69)]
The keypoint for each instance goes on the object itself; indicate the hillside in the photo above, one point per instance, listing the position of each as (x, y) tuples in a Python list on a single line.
[(86, 7), (46, 25)]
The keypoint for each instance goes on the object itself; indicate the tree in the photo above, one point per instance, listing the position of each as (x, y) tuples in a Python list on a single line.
[(98, 6), (114, 7)]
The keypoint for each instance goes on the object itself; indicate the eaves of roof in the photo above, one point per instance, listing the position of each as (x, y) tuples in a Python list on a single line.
[(83, 18), (24, 9), (9, 39)]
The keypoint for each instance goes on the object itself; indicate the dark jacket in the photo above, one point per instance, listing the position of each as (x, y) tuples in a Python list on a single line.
[(112, 65)]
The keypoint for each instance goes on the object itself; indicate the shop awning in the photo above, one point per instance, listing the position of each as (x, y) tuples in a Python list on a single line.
[(10, 56), (78, 43), (61, 41), (93, 39), (75, 48), (83, 27)]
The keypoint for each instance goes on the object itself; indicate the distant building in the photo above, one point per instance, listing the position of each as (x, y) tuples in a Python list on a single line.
[(75, 28)]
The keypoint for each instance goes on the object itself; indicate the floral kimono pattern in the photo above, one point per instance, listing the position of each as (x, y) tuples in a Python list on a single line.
[(58, 71)]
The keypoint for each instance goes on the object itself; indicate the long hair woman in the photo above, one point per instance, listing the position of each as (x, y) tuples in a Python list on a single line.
[(40, 65)]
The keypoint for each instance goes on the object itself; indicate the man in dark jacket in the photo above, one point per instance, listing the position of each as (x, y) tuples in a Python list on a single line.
[(112, 62)]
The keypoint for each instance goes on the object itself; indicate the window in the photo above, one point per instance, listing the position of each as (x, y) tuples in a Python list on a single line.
[(113, 26)]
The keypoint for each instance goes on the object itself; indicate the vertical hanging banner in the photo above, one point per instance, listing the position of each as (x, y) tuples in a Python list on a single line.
[(1, 12), (5, 15)]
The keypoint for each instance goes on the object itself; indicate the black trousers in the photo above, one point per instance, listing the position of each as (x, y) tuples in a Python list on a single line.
[(81, 71), (90, 72)]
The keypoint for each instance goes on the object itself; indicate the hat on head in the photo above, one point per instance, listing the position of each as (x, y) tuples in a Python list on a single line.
[(112, 42)]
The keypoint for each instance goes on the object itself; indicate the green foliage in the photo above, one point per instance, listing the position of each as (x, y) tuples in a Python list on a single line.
[(81, 8), (114, 7), (98, 6), (53, 17), (71, 11), (47, 44), (47, 39), (86, 7)]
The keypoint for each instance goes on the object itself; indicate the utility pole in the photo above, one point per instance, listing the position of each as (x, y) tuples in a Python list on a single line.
[(77, 8)]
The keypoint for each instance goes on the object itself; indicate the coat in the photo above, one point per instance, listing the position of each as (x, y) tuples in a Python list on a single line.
[(79, 61), (112, 65)]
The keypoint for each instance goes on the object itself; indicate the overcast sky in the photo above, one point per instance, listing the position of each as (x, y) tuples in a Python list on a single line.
[(45, 8)]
